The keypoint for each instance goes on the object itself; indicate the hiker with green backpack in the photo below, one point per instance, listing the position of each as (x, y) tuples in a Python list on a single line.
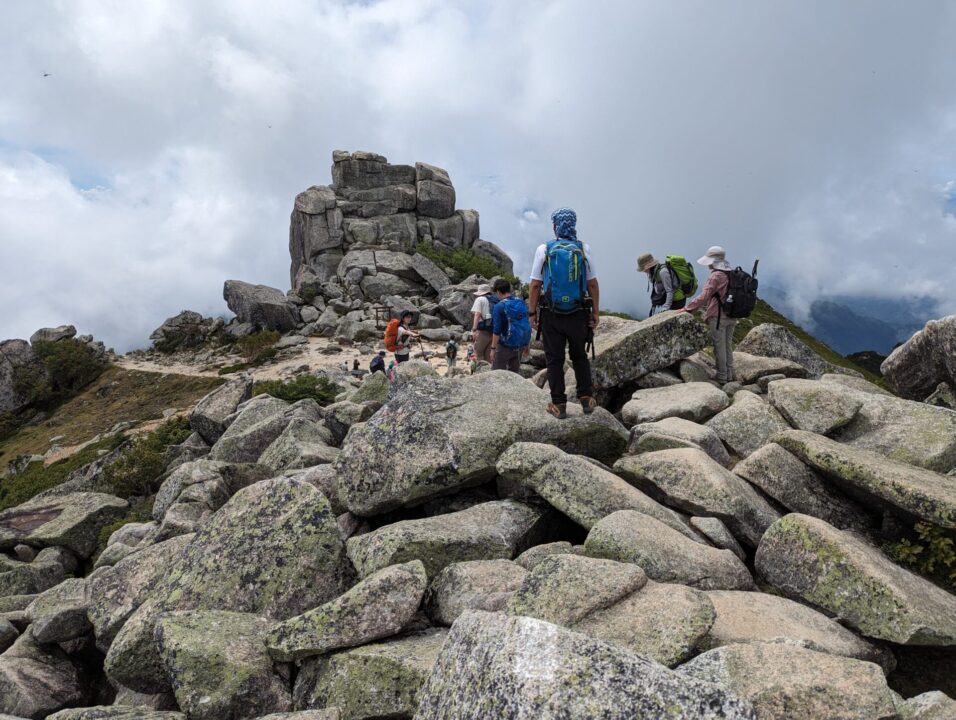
[(671, 282), (563, 304)]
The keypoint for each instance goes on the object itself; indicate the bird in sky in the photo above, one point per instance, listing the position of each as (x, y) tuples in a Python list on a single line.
[(46, 74)]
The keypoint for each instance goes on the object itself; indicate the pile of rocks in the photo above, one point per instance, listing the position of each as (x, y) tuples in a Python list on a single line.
[(443, 548)]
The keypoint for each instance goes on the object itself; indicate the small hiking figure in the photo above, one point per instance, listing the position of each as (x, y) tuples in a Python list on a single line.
[(390, 373), (357, 370), (378, 363), (569, 304), (671, 282), (511, 330), (721, 325), (398, 336), (344, 366), (451, 353), (481, 321)]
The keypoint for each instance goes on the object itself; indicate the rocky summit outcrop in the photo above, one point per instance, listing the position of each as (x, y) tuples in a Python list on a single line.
[(776, 341), (919, 365)]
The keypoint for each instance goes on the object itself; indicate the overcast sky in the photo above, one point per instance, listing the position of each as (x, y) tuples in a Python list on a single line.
[(162, 153)]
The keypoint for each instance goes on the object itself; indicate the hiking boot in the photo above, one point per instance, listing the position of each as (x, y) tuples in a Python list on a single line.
[(588, 404), (560, 411)]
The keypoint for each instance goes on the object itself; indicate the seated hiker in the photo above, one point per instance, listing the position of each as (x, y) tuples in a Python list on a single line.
[(378, 363), (357, 370), (671, 282), (511, 329), (721, 325)]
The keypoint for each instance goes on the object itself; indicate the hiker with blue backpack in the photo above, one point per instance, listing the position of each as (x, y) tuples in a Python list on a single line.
[(511, 331), (671, 282), (563, 304)]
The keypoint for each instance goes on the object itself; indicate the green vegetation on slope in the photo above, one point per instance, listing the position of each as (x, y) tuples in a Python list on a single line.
[(929, 550), (465, 262), (302, 387), (135, 472), (257, 348)]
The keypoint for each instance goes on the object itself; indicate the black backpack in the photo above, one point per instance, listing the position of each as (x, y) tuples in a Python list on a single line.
[(741, 294)]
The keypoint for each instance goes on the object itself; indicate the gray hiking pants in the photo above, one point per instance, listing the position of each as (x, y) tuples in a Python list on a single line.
[(723, 340), (507, 358)]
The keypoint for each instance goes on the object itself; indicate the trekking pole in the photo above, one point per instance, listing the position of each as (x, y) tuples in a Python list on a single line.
[(422, 346)]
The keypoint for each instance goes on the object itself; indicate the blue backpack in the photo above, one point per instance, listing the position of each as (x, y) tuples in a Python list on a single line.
[(565, 276), (489, 323), (518, 334)]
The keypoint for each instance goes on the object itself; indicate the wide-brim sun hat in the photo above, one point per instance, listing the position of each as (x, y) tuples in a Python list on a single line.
[(483, 290), (645, 262), (714, 253)]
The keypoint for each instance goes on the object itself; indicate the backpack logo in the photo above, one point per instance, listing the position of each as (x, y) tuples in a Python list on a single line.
[(518, 334), (565, 275)]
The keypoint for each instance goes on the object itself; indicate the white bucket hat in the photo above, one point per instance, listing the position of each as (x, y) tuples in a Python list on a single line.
[(483, 290), (714, 254)]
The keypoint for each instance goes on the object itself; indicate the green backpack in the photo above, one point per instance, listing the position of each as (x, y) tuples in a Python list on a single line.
[(684, 272)]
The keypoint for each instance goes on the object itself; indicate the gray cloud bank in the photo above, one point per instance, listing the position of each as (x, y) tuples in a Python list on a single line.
[(162, 154)]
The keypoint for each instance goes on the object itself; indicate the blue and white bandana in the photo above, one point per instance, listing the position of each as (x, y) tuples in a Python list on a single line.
[(565, 221)]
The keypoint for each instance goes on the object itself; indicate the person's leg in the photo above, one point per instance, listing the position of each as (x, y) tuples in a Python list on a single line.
[(483, 345), (508, 358), (720, 348), (554, 342), (500, 358), (577, 333), (729, 346), (401, 358)]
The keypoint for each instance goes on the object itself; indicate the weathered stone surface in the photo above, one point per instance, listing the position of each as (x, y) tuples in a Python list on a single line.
[(219, 666), (266, 308), (916, 367), (373, 681), (428, 271), (209, 416), (374, 388), (579, 488), (748, 424), (113, 712), (449, 434), (750, 368), (472, 585), (782, 476), (303, 443), (379, 606), (60, 613), (914, 491), (665, 555), (682, 430), (62, 332), (718, 534), (36, 680), (455, 301), (784, 682), (186, 330), (278, 537), (8, 635), (16, 359), (19, 578), (775, 341), (72, 521), (627, 349), (695, 401), (435, 199), (488, 531), (842, 574), (693, 482), (813, 406), (492, 252), (533, 555), (746, 617), (256, 427), (493, 665), (930, 706)]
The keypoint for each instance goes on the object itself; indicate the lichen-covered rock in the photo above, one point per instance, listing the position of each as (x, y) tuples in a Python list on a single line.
[(665, 555), (373, 681), (449, 434), (264, 307), (750, 368), (488, 531), (578, 487), (374, 388), (16, 357), (36, 680), (60, 613), (782, 476), (692, 481), (813, 406), (72, 521), (840, 573), (273, 550), (695, 401), (379, 606), (533, 555), (20, 578), (472, 585), (745, 617), (208, 418), (326, 714), (776, 341), (928, 358), (218, 665), (682, 430), (784, 682), (494, 665), (113, 712), (256, 427), (748, 424), (718, 534), (930, 706), (915, 491), (303, 443)]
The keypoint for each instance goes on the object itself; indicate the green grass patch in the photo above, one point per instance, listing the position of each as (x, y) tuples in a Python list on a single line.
[(17, 489), (300, 387), (257, 348), (465, 262), (136, 471)]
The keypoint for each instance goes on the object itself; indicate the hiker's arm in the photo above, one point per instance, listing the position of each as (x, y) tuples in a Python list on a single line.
[(534, 294), (595, 292), (667, 280), (706, 294)]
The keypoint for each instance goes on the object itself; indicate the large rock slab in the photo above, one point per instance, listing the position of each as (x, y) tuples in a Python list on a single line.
[(492, 530), (916, 367), (16, 360), (256, 427), (219, 666), (932, 705), (472, 585), (20, 578), (914, 491), (209, 416), (695, 401), (429, 272), (665, 555), (776, 341), (449, 434), (840, 573), (693, 482), (303, 443), (748, 424), (494, 665), (72, 521), (36, 680), (381, 680), (782, 476), (263, 307), (681, 430), (746, 617), (579, 488), (750, 368), (379, 606), (784, 682), (113, 712), (813, 406), (60, 614)]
